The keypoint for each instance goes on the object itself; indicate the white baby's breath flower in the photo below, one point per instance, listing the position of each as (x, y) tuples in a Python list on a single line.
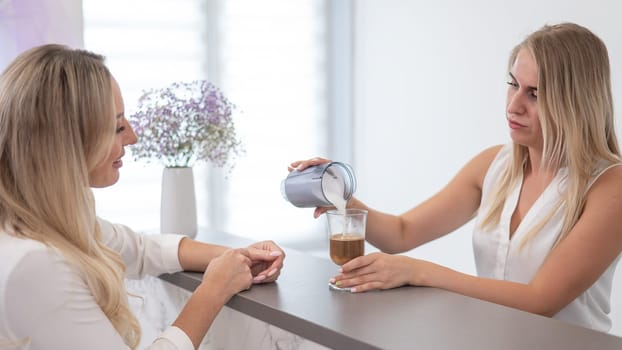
[(184, 123)]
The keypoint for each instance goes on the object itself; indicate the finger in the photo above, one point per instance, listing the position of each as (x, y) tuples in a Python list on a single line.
[(264, 255), (273, 251), (302, 165), (267, 271), (245, 256), (366, 287), (321, 210), (273, 270), (316, 161), (347, 281), (294, 165), (357, 263), (268, 246), (268, 279), (265, 245), (242, 251)]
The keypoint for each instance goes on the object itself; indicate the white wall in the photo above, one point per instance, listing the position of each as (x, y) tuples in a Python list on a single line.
[(429, 93)]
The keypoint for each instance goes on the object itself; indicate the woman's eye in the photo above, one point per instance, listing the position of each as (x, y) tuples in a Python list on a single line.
[(120, 129), (513, 84), (533, 94)]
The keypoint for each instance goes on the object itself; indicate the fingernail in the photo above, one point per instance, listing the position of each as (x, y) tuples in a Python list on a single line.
[(352, 290), (259, 278), (338, 283), (275, 253), (272, 272), (332, 280)]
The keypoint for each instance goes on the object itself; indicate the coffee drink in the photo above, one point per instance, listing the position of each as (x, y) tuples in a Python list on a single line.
[(344, 248)]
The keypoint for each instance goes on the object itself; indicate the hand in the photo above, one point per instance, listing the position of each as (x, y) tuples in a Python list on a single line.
[(266, 261), (302, 165), (375, 271), (231, 270)]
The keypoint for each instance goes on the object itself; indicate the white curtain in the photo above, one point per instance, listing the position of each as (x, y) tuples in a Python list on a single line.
[(28, 23)]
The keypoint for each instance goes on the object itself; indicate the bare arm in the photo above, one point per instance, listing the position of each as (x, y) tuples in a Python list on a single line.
[(450, 208), (225, 276), (266, 258), (573, 266), (195, 256), (226, 273)]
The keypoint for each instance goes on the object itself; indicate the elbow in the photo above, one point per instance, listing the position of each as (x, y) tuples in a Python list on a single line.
[(390, 248), (547, 312), (547, 307), (393, 250)]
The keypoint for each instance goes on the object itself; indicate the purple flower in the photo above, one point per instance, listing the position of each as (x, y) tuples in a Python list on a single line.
[(184, 123)]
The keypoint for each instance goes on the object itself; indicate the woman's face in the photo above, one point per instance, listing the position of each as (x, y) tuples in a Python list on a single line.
[(106, 173), (521, 103)]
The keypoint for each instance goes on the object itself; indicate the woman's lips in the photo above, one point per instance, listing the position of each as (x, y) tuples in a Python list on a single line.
[(514, 125), (117, 163)]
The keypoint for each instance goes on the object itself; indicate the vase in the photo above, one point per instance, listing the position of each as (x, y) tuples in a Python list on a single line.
[(178, 208)]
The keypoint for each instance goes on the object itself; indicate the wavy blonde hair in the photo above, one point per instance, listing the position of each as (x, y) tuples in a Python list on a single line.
[(575, 107), (57, 122)]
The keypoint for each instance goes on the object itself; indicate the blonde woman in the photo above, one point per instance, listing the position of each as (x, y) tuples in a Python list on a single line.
[(548, 205), (63, 131)]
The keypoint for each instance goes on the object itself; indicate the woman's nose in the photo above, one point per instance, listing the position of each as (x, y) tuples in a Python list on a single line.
[(130, 135), (515, 103)]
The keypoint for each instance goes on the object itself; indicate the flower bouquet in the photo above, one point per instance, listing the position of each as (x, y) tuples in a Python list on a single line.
[(184, 123), (178, 126)]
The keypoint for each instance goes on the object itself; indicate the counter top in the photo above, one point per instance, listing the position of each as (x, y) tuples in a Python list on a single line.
[(403, 318)]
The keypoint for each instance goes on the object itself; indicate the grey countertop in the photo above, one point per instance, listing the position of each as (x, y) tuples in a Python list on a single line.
[(403, 318)]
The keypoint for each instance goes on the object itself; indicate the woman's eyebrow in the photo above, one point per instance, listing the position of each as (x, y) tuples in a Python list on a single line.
[(534, 88)]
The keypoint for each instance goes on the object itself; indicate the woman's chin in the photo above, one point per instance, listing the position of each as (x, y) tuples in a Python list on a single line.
[(101, 182)]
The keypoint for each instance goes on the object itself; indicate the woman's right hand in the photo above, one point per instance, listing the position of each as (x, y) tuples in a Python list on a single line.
[(230, 271), (225, 275), (301, 165)]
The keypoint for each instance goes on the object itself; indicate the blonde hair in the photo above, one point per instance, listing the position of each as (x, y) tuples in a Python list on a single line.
[(575, 107), (57, 123)]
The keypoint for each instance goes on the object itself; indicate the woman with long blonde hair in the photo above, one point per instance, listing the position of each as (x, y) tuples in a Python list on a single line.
[(548, 205), (62, 269)]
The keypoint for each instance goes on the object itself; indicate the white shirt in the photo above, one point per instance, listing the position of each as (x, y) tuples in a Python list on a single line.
[(499, 257), (46, 304)]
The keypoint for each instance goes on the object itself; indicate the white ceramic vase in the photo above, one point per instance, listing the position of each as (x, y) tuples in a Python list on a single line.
[(178, 208)]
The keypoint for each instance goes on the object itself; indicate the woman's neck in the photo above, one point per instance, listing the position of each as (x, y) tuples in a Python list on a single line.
[(534, 168)]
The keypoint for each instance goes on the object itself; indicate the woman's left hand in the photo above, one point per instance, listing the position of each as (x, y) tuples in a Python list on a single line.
[(375, 271), (266, 261)]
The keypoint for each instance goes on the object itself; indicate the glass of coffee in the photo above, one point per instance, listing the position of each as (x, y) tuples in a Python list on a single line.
[(346, 232)]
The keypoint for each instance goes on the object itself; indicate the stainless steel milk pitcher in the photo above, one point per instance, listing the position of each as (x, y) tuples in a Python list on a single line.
[(308, 188)]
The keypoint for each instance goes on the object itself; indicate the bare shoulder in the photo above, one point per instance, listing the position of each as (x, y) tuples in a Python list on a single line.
[(477, 167), (603, 201), (608, 187), (599, 227), (489, 154), (471, 175)]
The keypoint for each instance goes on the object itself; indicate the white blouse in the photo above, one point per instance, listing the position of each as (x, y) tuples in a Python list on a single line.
[(499, 257), (46, 304)]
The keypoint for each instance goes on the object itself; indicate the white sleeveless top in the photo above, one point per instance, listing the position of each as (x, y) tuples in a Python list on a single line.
[(499, 257)]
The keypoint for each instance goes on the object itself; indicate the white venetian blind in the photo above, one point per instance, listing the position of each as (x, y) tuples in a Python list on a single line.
[(272, 62), (268, 57), (147, 43)]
